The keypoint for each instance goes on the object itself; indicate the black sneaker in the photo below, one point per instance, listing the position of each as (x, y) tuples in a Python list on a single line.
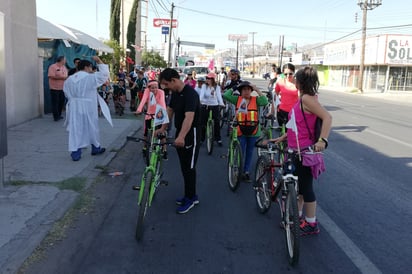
[(165, 155), (219, 142), (246, 177)]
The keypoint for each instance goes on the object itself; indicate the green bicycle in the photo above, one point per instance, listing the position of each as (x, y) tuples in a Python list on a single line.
[(234, 158), (266, 131), (151, 178), (210, 136)]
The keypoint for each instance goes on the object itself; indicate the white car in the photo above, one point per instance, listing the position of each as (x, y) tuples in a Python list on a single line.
[(201, 71)]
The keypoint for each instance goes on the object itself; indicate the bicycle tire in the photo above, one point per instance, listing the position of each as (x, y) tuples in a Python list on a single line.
[(144, 204), (222, 117), (234, 166), (259, 150), (263, 180), (209, 136), (291, 222)]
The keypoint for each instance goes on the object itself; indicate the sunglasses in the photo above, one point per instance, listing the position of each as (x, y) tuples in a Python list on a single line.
[(290, 74), (208, 78)]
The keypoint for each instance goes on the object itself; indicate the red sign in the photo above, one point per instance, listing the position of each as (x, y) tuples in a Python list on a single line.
[(158, 22)]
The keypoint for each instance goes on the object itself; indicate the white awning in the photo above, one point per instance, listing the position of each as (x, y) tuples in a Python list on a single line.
[(48, 30)]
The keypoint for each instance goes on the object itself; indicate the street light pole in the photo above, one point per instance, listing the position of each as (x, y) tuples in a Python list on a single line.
[(253, 53), (365, 5)]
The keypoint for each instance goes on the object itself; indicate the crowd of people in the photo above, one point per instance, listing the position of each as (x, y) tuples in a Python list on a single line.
[(188, 103)]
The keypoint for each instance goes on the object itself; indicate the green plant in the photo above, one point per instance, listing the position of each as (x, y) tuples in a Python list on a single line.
[(152, 58)]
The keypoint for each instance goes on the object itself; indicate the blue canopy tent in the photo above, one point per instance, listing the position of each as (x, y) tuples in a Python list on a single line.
[(56, 40)]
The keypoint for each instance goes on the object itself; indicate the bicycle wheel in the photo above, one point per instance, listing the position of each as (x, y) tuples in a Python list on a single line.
[(291, 222), (222, 116), (263, 180), (234, 166), (209, 136), (263, 135), (144, 204)]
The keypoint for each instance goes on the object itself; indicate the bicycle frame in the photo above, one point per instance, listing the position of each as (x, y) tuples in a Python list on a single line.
[(233, 140), (209, 132)]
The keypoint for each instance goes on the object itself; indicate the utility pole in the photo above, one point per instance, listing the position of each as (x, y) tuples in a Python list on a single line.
[(253, 53), (123, 28), (365, 5), (281, 41), (138, 35), (169, 63)]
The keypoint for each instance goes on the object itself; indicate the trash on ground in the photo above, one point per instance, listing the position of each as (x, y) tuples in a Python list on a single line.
[(116, 173)]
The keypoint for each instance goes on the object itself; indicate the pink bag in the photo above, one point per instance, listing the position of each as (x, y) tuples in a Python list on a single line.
[(315, 162)]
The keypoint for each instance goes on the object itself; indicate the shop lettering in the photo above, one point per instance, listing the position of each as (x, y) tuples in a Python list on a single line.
[(399, 50)]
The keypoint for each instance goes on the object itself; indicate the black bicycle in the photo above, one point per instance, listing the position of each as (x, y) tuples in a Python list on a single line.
[(275, 182)]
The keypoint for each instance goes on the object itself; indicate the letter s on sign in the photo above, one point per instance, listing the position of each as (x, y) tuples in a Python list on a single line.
[(391, 49)]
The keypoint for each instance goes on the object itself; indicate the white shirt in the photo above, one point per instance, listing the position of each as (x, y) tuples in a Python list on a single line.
[(211, 96)]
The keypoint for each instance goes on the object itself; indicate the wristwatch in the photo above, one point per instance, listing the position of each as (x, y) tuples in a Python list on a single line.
[(324, 140)]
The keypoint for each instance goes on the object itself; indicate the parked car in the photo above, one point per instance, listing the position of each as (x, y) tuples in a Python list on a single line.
[(201, 71)]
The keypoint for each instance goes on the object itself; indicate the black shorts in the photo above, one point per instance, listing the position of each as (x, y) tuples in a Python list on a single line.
[(133, 93), (148, 124)]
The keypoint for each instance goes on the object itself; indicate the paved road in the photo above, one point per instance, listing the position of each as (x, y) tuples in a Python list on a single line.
[(364, 197)]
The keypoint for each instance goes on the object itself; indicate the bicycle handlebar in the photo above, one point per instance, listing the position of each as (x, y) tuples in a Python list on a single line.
[(138, 139)]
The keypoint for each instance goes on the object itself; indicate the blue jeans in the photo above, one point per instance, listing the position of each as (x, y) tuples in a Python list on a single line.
[(247, 144)]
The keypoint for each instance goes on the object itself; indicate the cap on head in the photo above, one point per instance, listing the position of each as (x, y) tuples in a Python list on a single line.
[(211, 75), (201, 79), (244, 84)]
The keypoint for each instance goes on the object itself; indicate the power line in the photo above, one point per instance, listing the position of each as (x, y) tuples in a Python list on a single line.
[(162, 5), (254, 21)]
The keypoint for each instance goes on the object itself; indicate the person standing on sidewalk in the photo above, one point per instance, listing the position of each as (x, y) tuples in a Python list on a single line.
[(57, 74), (185, 107), (82, 116)]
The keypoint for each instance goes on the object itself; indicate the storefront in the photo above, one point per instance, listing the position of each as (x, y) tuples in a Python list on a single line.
[(388, 63)]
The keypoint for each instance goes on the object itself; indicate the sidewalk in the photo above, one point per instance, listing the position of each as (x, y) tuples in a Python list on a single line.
[(37, 154)]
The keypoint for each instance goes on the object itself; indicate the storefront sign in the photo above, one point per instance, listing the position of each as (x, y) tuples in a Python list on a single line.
[(399, 51), (158, 22)]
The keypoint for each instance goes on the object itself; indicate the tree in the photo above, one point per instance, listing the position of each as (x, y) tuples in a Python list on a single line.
[(112, 59), (152, 58), (115, 20), (131, 28)]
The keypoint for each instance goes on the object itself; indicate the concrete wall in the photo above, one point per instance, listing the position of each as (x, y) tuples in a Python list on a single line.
[(22, 63)]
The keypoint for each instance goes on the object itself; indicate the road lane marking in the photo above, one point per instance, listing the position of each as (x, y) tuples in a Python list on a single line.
[(389, 138), (356, 255)]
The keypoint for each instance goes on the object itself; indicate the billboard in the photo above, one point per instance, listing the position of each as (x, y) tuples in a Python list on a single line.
[(158, 22)]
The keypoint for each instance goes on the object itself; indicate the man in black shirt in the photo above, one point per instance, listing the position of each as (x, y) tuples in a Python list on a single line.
[(234, 81), (185, 107), (76, 62)]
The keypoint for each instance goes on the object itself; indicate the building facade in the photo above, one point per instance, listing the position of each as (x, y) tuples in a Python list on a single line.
[(388, 63)]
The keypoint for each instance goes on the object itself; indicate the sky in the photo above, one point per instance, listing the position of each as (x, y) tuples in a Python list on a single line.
[(301, 22)]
